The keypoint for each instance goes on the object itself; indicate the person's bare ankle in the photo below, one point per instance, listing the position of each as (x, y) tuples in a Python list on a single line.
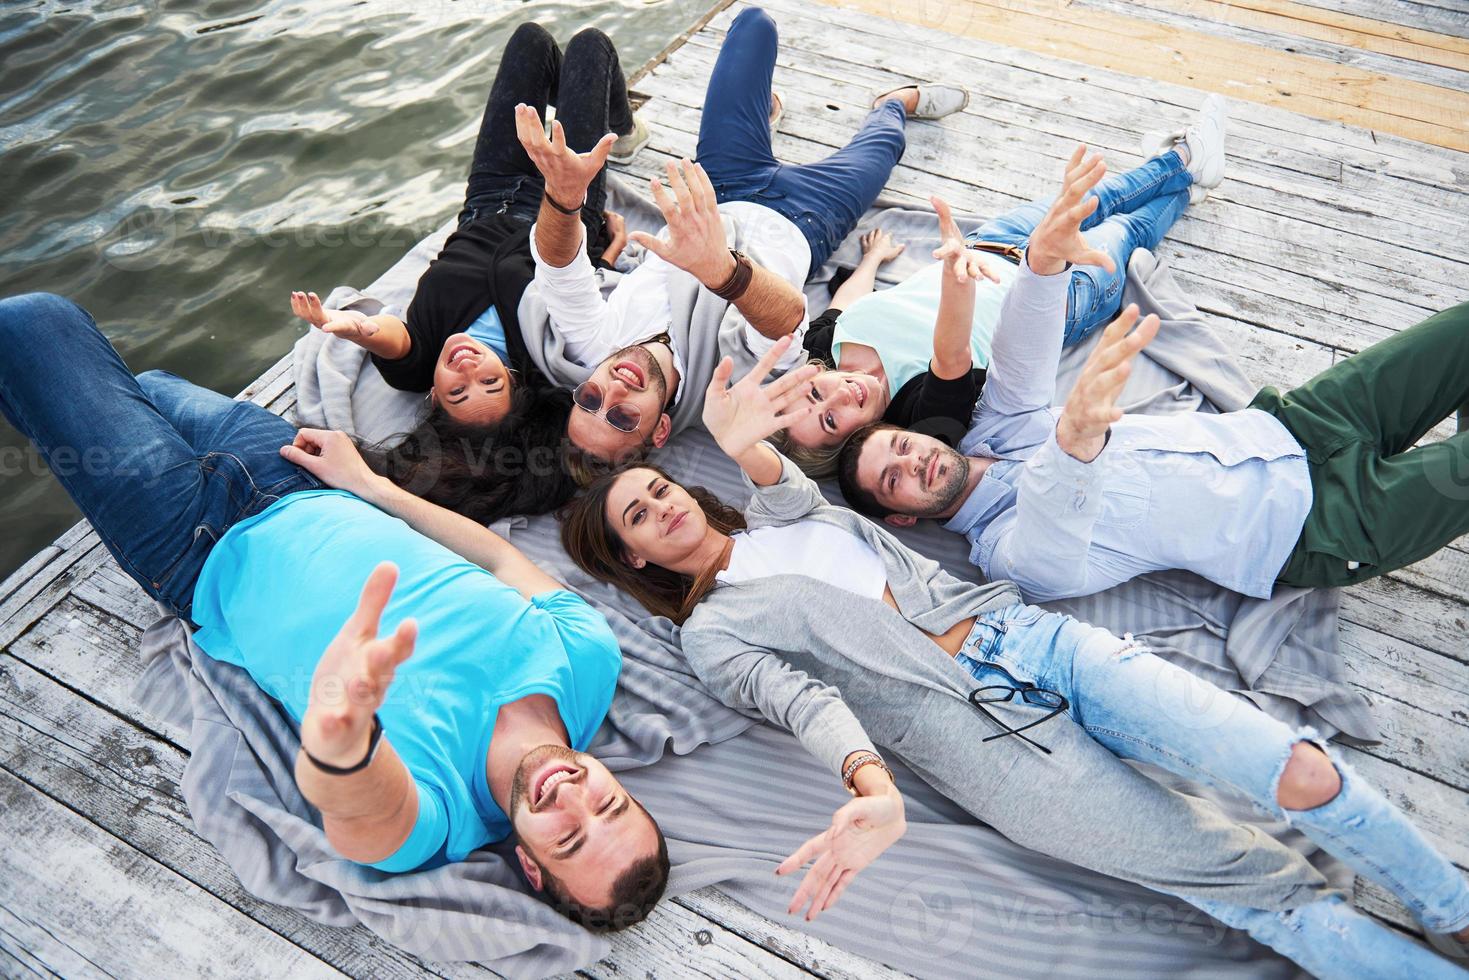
[(907, 96)]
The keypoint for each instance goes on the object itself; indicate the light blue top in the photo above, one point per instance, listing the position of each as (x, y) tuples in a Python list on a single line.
[(899, 322), (278, 586), (1224, 496), (488, 330)]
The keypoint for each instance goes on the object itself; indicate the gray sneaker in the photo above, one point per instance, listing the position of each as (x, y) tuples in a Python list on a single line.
[(1205, 142), (628, 146), (934, 101)]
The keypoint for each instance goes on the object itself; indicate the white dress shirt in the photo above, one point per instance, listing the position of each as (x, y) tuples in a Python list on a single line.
[(594, 326)]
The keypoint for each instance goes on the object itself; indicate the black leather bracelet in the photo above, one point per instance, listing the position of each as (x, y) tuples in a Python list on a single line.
[(372, 744), (569, 212)]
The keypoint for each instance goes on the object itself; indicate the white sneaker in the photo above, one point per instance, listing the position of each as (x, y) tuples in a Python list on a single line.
[(628, 146), (1156, 142), (1205, 142), (934, 101), (1205, 139)]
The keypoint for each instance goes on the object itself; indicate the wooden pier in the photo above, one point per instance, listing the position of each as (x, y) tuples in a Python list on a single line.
[(1344, 217)]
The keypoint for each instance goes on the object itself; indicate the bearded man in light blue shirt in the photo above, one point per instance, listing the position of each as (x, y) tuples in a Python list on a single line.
[(1320, 486)]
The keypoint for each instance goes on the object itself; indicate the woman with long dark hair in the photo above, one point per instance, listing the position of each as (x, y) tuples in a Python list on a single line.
[(822, 623), (460, 341)]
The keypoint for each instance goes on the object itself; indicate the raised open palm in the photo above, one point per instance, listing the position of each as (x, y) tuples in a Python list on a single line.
[(353, 676), (961, 262), (567, 172), (859, 833), (1058, 238), (1091, 408), (740, 415), (339, 323)]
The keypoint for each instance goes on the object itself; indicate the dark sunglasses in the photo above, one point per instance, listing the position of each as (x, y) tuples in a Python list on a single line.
[(1029, 694), (623, 417)]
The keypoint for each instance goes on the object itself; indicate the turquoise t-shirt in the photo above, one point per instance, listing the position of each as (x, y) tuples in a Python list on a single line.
[(488, 330), (898, 322), (278, 587)]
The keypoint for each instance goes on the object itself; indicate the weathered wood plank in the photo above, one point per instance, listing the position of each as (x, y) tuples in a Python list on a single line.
[(1443, 16), (1372, 149), (76, 896), (1392, 57), (126, 782)]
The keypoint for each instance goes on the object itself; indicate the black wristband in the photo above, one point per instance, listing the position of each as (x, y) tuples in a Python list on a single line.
[(569, 212), (372, 743)]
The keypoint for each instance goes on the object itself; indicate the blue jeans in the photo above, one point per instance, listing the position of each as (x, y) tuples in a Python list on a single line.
[(1136, 210), (825, 199), (161, 467), (1141, 707)]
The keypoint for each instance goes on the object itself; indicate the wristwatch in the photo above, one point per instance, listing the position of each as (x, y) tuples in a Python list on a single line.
[(372, 743), (739, 280)]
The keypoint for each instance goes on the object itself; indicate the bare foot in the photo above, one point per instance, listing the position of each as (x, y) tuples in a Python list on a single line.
[(776, 105), (907, 96)]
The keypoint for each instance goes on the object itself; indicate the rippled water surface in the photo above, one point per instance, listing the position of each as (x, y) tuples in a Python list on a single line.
[(178, 167)]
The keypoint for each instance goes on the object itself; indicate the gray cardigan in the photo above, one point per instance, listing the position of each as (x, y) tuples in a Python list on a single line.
[(757, 648)]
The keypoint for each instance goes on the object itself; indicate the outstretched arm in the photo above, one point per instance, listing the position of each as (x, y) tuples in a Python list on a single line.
[(567, 176), (333, 459), (696, 244), (878, 247), (756, 679), (369, 814), (383, 335), (739, 417), (953, 355), (1060, 496), (1027, 345)]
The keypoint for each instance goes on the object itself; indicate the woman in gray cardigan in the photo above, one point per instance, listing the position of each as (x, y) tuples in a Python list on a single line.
[(820, 622)]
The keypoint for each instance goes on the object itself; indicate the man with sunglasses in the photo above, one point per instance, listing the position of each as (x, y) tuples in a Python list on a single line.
[(743, 231)]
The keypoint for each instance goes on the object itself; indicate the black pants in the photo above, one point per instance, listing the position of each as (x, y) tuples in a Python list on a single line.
[(590, 95)]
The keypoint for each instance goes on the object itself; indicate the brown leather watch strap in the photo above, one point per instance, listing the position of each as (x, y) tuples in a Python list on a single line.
[(739, 280)]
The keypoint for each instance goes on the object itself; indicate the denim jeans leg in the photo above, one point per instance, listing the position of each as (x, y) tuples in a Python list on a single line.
[(1096, 295), (130, 472), (1332, 940), (1142, 707), (827, 198), (501, 172), (214, 424), (734, 128), (1124, 193), (592, 102)]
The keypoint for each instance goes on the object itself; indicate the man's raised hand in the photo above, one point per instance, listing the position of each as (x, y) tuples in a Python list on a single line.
[(962, 263), (353, 676), (1058, 238), (1091, 408), (695, 242), (741, 415), (566, 172)]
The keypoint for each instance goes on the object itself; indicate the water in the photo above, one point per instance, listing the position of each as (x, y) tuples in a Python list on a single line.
[(178, 167)]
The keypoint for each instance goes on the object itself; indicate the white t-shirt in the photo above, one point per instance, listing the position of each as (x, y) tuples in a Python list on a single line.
[(593, 327), (808, 548)]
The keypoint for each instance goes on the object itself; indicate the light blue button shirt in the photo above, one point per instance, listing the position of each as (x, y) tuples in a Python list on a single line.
[(1224, 496)]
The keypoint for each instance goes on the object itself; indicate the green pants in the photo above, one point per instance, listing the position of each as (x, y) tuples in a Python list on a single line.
[(1380, 504)]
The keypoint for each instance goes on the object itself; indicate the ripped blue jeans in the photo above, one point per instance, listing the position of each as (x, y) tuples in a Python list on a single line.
[(1141, 707)]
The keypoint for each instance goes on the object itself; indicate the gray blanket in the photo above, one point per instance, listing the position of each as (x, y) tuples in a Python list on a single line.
[(733, 798)]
